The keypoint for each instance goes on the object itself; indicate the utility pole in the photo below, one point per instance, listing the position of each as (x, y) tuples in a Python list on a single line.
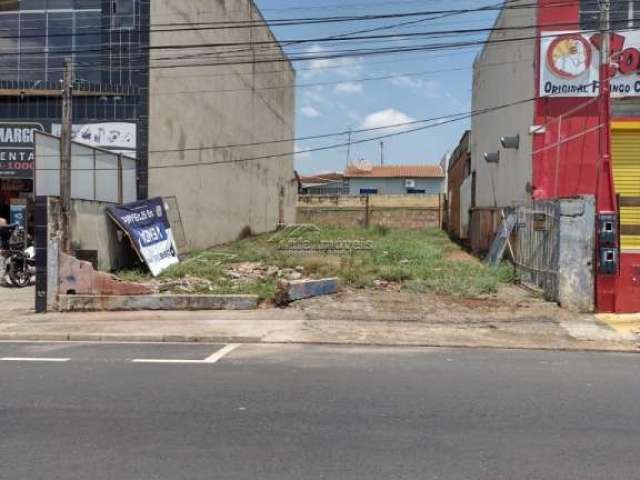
[(65, 156), (606, 202), (348, 148), (381, 153), (604, 192)]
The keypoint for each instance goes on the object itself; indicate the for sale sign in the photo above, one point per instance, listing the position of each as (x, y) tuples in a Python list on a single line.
[(147, 225), (16, 149), (569, 64)]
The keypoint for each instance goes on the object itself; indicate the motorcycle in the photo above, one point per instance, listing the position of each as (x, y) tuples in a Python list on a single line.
[(19, 262)]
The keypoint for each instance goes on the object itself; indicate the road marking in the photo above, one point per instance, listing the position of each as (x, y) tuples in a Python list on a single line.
[(163, 360), (215, 357), (221, 353), (33, 359)]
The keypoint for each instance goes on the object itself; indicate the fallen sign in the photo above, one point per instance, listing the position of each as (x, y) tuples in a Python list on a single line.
[(147, 226)]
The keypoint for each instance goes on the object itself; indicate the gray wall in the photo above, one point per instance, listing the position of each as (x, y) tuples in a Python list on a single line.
[(504, 72), (221, 105), (93, 230), (395, 186)]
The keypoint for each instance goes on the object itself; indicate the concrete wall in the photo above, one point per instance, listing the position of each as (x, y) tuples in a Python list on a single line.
[(395, 186), (93, 231), (504, 72), (398, 211), (229, 101), (576, 287)]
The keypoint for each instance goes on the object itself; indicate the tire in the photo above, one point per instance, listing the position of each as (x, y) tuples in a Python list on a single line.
[(19, 277)]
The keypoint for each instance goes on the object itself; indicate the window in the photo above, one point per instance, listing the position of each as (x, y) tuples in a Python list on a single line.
[(416, 191), (32, 46), (123, 14), (624, 14), (368, 191), (60, 44), (9, 46), (9, 5), (34, 43), (88, 50)]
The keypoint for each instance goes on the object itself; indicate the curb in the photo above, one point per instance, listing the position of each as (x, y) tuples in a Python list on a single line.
[(117, 338), (152, 338), (121, 303)]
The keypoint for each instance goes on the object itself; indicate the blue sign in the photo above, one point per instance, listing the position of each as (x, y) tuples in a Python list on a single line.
[(147, 225), (18, 214)]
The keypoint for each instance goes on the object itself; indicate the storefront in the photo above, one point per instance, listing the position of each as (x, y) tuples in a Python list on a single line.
[(569, 110)]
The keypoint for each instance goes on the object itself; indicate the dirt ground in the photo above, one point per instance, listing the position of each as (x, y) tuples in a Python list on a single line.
[(512, 304)]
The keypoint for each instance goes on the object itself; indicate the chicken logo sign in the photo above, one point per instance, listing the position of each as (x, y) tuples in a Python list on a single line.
[(569, 64), (569, 56)]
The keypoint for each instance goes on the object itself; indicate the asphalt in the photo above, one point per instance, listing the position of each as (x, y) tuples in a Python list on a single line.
[(311, 412)]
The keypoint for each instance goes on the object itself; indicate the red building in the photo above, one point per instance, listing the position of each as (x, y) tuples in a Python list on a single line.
[(540, 70)]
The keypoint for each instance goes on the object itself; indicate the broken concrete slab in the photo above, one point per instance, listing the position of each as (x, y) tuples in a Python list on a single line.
[(80, 278), (88, 303), (290, 291)]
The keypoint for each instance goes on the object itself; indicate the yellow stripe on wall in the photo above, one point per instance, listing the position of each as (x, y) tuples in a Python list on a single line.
[(625, 152)]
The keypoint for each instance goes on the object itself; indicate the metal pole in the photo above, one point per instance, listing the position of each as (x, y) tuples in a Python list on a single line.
[(348, 149), (605, 195), (65, 156), (604, 190), (381, 153)]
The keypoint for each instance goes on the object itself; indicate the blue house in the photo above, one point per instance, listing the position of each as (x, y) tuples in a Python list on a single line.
[(365, 179)]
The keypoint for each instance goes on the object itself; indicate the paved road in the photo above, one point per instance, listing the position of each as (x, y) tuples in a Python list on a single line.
[(79, 411)]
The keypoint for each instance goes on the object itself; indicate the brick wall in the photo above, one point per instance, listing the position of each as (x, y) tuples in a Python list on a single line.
[(398, 211)]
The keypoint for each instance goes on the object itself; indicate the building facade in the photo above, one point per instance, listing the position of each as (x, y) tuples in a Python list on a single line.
[(539, 75), (107, 41), (212, 128), (459, 169), (394, 179)]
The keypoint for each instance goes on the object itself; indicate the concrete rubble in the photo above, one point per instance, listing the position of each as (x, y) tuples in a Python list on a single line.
[(78, 277), (292, 290), (258, 271)]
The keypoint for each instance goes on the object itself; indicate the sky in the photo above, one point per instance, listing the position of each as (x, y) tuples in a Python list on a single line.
[(332, 95)]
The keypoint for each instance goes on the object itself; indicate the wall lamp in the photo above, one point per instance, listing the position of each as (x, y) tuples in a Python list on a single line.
[(510, 142), (492, 157)]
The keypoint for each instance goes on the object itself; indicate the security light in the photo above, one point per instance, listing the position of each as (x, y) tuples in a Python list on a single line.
[(492, 157), (510, 142)]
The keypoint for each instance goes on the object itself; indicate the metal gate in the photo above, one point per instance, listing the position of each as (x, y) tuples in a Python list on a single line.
[(535, 246)]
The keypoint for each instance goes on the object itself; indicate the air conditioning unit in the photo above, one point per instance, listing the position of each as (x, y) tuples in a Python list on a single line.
[(410, 183)]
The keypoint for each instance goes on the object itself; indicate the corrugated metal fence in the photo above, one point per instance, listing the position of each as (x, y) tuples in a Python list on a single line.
[(535, 244)]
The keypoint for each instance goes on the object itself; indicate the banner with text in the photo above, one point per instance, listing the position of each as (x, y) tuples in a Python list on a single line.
[(569, 64), (119, 137), (147, 225), (16, 148)]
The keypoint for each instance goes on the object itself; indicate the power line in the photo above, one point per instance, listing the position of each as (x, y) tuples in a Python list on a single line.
[(339, 82), (441, 120)]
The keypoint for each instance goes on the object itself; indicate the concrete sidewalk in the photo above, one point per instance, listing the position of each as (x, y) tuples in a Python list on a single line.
[(512, 319), (295, 326)]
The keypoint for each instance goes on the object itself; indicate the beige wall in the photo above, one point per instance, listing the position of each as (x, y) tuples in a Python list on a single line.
[(504, 73), (220, 105), (413, 212)]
